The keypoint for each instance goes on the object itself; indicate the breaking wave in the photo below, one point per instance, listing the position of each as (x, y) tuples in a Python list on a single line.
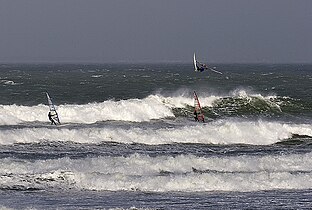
[(185, 173), (135, 110), (239, 103), (217, 132)]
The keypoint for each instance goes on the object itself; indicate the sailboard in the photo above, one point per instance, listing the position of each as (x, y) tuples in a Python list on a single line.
[(53, 111), (198, 66), (198, 113)]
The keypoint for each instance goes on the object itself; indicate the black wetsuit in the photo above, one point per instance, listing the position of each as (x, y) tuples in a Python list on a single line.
[(195, 116), (51, 119)]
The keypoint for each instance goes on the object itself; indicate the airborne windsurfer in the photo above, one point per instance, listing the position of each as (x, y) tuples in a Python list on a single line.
[(202, 67)]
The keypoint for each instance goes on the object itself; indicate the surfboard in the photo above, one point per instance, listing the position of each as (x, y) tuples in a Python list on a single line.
[(53, 111), (198, 113)]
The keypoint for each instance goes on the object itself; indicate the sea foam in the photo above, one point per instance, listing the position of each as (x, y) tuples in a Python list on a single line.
[(184, 173), (133, 110), (217, 132)]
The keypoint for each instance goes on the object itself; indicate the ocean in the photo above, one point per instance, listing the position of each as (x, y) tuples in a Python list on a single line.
[(128, 139)]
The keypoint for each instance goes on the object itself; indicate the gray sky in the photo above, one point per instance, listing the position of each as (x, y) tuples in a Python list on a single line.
[(239, 31)]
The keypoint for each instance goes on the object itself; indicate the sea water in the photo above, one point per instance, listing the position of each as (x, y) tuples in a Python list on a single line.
[(128, 139)]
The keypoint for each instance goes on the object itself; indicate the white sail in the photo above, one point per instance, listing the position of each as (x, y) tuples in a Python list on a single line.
[(194, 61), (53, 112)]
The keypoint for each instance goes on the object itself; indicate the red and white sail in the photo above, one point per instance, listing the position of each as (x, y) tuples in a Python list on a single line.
[(198, 113)]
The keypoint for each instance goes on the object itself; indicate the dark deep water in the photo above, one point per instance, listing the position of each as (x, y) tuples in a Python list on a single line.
[(128, 139)]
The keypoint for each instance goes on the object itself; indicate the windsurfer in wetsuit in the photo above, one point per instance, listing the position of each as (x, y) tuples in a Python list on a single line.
[(51, 119), (195, 115)]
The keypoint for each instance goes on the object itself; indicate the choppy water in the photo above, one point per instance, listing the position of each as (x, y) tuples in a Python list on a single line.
[(128, 139)]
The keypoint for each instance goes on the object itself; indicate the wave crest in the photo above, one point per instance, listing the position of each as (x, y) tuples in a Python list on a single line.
[(218, 132), (185, 173), (135, 110)]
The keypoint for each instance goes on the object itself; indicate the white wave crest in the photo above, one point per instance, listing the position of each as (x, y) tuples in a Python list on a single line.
[(135, 110), (162, 173), (9, 82), (180, 100), (219, 132)]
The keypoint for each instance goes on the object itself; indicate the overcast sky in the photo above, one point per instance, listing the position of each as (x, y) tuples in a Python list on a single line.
[(239, 31)]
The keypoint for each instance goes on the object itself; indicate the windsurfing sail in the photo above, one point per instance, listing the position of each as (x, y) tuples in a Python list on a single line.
[(202, 67), (195, 63), (54, 115), (198, 113)]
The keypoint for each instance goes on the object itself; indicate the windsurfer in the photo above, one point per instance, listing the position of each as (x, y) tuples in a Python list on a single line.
[(195, 116), (51, 119)]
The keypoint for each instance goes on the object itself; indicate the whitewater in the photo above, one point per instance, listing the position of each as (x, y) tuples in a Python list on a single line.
[(134, 110), (161, 174), (219, 132), (128, 139)]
